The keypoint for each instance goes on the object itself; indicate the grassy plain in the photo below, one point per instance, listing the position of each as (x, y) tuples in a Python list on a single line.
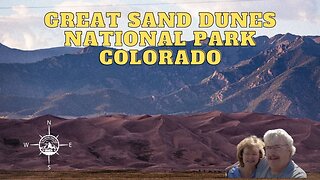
[(132, 175)]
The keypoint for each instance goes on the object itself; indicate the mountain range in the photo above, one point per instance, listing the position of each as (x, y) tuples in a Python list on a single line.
[(11, 55), (280, 75)]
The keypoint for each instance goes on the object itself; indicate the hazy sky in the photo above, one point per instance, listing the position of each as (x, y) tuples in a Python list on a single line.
[(22, 26)]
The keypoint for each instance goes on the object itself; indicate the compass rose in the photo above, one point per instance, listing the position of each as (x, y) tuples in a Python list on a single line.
[(48, 144)]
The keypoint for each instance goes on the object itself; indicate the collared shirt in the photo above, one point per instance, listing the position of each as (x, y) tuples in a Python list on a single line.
[(291, 171), (234, 172)]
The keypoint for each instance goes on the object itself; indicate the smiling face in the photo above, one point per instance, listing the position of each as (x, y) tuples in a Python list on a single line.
[(278, 154), (251, 156), (249, 151)]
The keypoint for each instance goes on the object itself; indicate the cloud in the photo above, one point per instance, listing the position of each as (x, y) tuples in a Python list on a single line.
[(24, 27), (298, 16), (305, 10)]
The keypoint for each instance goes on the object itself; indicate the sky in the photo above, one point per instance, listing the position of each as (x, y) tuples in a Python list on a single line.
[(22, 21)]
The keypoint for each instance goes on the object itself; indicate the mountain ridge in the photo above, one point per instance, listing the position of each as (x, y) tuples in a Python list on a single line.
[(264, 78), (13, 55)]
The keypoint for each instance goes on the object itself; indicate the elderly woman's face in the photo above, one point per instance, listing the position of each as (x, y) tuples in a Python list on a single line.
[(251, 156), (278, 154)]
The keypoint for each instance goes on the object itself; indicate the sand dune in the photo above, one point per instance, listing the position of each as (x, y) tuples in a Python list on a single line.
[(150, 143)]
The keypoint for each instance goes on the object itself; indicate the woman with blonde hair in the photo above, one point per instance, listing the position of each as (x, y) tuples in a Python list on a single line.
[(249, 152)]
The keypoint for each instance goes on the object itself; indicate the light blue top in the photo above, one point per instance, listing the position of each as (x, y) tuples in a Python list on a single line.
[(291, 171), (234, 172)]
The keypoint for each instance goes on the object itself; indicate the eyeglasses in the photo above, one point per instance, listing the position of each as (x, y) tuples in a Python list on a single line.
[(275, 147)]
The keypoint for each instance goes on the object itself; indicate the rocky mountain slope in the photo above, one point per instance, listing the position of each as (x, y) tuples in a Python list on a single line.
[(280, 76)]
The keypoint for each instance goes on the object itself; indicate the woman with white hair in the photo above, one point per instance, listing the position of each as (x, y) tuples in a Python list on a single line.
[(279, 151)]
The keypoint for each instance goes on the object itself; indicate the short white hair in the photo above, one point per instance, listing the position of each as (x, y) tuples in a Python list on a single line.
[(282, 134)]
